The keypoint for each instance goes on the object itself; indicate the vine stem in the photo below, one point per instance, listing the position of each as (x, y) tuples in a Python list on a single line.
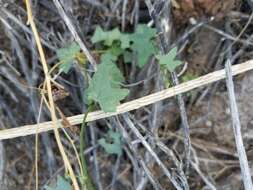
[(87, 183)]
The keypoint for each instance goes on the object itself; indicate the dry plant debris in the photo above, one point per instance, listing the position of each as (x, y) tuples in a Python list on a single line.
[(186, 142)]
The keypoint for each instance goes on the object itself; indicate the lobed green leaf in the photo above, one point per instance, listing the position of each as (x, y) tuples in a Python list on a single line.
[(108, 37), (67, 56), (142, 43), (114, 146), (169, 60), (105, 86)]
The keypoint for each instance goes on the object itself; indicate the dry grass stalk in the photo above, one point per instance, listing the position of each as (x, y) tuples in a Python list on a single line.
[(131, 105), (245, 170), (50, 96)]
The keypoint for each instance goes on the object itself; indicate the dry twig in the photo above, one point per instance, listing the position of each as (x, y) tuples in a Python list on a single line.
[(50, 96), (75, 33), (131, 105), (2, 164), (246, 176)]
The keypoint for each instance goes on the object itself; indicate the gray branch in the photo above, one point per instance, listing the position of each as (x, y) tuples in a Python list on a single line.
[(246, 177)]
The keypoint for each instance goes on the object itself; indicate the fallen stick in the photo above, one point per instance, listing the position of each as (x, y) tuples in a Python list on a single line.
[(236, 124), (131, 105)]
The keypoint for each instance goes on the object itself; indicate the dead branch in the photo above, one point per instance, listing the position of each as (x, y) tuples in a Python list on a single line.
[(131, 105)]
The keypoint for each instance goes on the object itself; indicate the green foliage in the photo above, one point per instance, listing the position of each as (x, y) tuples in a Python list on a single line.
[(61, 184), (108, 37), (115, 49), (113, 143), (128, 57), (142, 44), (139, 42), (168, 61), (105, 86), (166, 79), (67, 56)]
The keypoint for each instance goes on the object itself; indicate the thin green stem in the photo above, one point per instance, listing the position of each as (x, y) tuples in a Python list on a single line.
[(86, 180)]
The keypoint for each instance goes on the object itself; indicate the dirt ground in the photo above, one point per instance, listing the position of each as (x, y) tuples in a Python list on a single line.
[(208, 33)]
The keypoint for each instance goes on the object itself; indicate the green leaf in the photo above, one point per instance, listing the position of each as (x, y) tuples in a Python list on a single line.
[(145, 31), (67, 56), (115, 49), (105, 86), (61, 184), (113, 144), (168, 60), (108, 37), (128, 56), (146, 50), (142, 44), (140, 41)]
